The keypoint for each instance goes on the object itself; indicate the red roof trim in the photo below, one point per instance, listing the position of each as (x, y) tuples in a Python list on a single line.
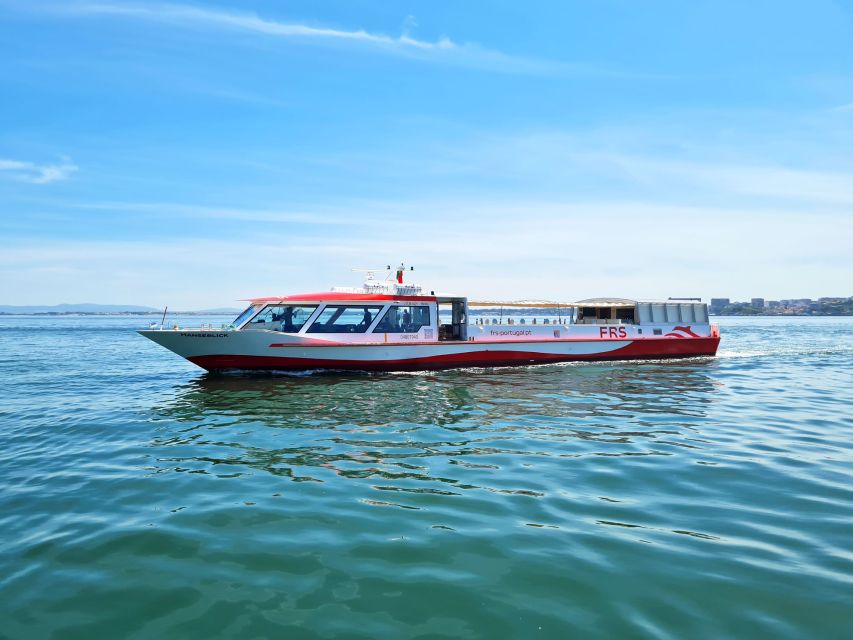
[(337, 296)]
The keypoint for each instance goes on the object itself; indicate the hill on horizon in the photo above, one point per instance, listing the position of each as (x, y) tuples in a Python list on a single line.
[(85, 307), (88, 307)]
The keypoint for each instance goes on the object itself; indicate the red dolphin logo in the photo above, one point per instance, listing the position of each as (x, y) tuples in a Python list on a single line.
[(683, 330)]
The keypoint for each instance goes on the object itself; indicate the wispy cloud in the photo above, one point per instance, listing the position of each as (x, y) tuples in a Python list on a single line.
[(33, 173), (768, 181), (197, 16), (793, 255), (844, 107), (443, 50), (242, 214)]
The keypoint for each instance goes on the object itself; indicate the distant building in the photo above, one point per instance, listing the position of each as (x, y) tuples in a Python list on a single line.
[(796, 302), (826, 306), (717, 304)]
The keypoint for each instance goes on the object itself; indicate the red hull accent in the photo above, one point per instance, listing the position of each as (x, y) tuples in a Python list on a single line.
[(637, 350)]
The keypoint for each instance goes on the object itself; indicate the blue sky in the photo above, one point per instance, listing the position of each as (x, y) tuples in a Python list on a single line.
[(192, 154)]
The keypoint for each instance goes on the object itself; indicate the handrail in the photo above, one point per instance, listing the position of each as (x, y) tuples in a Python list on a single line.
[(544, 304)]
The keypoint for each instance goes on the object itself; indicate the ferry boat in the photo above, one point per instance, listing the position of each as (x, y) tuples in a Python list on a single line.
[(389, 325)]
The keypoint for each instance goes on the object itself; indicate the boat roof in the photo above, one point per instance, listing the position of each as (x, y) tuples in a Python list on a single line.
[(348, 296), (545, 304), (341, 296), (624, 303), (607, 302)]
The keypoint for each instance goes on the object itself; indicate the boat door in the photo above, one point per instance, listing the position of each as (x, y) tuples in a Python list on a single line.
[(457, 329)]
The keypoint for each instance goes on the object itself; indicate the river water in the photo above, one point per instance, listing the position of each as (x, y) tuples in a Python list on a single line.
[(144, 498)]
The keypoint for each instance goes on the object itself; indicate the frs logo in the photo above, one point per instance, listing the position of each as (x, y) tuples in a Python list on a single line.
[(681, 332), (612, 332)]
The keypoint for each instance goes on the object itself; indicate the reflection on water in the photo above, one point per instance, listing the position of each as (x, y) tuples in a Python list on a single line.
[(680, 386), (389, 426)]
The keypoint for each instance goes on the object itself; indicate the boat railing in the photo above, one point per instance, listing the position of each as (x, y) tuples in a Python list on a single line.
[(528, 321), (210, 326)]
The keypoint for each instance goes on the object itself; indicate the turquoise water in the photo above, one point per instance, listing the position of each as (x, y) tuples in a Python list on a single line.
[(144, 498)]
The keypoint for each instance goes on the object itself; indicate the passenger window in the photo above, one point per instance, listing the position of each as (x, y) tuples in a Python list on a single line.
[(404, 319), (345, 319), (288, 318), (626, 315)]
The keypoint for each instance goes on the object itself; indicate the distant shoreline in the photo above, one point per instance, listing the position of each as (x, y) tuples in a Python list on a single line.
[(152, 314), (846, 314), (513, 312)]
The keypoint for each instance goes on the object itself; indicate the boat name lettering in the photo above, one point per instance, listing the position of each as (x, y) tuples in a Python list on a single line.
[(612, 332), (204, 335), (508, 332)]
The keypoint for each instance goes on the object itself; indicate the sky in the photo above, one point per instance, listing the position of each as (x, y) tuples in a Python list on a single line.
[(198, 153)]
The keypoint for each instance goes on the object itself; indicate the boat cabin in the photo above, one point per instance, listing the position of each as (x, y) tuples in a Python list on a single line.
[(605, 311), (359, 316), (623, 311)]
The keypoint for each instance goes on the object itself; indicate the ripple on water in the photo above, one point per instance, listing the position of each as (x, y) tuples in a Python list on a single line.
[(700, 498)]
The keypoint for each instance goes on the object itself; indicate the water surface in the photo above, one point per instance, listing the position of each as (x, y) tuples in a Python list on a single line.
[(144, 498)]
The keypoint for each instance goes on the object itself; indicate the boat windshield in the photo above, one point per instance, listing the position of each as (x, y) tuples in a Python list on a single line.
[(345, 319), (287, 318), (248, 313)]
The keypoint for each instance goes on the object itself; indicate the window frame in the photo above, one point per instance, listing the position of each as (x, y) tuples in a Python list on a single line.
[(378, 329), (255, 308), (314, 322), (271, 305)]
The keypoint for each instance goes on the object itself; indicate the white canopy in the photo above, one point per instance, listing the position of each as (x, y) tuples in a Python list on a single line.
[(623, 303)]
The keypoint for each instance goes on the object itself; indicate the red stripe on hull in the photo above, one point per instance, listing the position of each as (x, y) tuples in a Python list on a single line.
[(637, 350)]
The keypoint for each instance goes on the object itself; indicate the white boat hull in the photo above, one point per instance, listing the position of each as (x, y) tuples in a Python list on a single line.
[(258, 350)]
